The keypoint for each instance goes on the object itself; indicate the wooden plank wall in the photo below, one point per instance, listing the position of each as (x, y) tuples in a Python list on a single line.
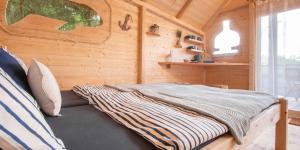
[(235, 77), (113, 61), (158, 49)]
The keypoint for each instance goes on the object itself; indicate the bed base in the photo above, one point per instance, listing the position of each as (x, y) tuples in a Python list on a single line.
[(276, 115)]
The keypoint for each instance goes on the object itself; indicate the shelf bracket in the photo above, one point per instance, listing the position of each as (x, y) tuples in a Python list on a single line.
[(168, 66)]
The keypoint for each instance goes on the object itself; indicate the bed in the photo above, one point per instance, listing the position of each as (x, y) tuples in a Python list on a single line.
[(83, 127)]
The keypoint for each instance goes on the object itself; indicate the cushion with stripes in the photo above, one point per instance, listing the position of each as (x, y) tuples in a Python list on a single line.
[(22, 125), (13, 67)]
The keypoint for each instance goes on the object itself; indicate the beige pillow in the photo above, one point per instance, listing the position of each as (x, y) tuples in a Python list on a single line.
[(44, 88)]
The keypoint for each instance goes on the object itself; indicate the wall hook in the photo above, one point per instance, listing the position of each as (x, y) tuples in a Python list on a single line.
[(125, 26)]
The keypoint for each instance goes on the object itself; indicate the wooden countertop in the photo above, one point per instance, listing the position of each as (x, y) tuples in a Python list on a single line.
[(203, 64)]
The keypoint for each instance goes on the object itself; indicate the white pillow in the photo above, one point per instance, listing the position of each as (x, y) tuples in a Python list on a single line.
[(44, 88), (22, 125)]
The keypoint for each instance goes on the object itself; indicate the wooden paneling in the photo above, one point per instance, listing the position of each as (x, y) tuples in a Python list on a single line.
[(234, 4), (198, 12), (132, 56), (166, 16), (239, 21), (158, 48), (183, 9), (235, 77), (114, 61), (169, 6)]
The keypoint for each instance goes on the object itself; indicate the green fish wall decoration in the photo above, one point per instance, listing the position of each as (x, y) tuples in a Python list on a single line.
[(65, 10)]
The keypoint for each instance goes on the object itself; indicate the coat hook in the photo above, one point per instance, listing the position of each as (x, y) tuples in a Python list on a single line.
[(125, 26)]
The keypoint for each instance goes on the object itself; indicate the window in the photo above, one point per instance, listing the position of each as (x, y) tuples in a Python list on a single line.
[(278, 55), (228, 41)]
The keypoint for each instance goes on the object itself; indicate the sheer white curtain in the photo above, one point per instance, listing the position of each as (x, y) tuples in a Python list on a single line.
[(278, 47)]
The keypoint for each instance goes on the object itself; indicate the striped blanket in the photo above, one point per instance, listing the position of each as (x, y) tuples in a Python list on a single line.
[(235, 108), (165, 125)]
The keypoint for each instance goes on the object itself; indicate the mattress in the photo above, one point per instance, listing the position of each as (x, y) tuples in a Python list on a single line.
[(81, 126), (70, 99), (84, 127)]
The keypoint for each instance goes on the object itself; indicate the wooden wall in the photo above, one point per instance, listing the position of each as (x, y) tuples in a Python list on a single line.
[(235, 77), (158, 49), (112, 61)]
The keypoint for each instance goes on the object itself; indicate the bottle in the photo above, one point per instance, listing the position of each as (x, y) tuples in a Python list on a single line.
[(170, 57)]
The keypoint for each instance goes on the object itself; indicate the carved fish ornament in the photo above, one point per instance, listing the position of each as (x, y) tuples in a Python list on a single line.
[(65, 10)]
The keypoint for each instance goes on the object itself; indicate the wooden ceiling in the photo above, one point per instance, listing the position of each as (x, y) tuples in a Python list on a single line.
[(196, 12)]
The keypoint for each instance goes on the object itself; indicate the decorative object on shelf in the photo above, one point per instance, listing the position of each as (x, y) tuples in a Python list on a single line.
[(71, 12), (207, 58), (186, 60), (125, 25), (197, 58), (199, 38), (154, 28), (178, 35), (194, 49), (196, 40), (208, 61), (193, 37), (170, 56)]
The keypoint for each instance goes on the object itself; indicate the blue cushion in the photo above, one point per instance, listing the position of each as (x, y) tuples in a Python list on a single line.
[(22, 125), (12, 67)]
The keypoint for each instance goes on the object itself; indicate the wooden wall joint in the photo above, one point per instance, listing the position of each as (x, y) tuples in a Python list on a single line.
[(141, 45), (184, 8)]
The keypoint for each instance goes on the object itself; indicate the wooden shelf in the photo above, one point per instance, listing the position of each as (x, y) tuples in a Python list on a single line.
[(195, 42), (203, 64), (195, 50), (153, 33), (178, 46)]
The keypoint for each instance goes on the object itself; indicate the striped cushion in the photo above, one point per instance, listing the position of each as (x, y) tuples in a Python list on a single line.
[(22, 126), (14, 69), (19, 60)]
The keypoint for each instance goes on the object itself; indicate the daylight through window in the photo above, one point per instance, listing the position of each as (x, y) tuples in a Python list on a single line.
[(228, 41)]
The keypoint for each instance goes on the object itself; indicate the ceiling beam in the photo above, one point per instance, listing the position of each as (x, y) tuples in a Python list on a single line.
[(216, 14), (184, 8), (166, 16)]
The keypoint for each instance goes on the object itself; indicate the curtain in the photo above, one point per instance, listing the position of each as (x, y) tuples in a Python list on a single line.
[(278, 47)]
